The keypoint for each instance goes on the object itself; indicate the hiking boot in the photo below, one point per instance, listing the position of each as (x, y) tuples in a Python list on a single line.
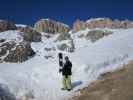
[(69, 89)]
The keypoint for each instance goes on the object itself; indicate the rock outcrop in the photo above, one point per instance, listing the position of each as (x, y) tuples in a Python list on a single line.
[(99, 23), (65, 36), (11, 51), (79, 25), (69, 46), (6, 25), (29, 34), (51, 26), (102, 23), (95, 35)]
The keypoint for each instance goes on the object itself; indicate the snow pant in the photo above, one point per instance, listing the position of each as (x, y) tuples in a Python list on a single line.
[(67, 82)]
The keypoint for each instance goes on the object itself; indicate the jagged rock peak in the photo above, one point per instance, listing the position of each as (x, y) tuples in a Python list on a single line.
[(51, 26), (102, 23)]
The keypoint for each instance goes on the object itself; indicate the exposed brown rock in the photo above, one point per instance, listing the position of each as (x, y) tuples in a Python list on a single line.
[(102, 23), (78, 25), (29, 34), (6, 25), (15, 52), (51, 26), (95, 35), (113, 86)]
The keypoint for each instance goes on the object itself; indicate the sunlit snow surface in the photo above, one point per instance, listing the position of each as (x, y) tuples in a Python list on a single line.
[(40, 77)]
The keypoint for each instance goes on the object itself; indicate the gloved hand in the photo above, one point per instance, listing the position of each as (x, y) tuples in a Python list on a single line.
[(60, 70), (66, 76)]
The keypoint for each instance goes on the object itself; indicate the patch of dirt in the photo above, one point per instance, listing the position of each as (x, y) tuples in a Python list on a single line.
[(116, 85)]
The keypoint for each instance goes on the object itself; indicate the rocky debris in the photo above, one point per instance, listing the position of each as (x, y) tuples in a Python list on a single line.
[(69, 47), (112, 86), (11, 51), (102, 23), (7, 25), (64, 36), (95, 35), (4, 47), (29, 34), (50, 51), (5, 93), (2, 52), (51, 26)]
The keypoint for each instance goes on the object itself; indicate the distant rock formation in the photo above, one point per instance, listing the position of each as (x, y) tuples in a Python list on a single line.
[(99, 23), (79, 25), (51, 26), (102, 23), (6, 25)]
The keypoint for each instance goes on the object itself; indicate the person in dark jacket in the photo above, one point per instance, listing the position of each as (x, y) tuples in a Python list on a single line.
[(67, 72)]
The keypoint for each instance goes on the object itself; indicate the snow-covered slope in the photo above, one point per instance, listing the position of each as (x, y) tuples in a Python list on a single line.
[(39, 77), (11, 35)]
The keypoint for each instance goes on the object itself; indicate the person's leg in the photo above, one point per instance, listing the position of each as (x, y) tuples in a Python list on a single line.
[(64, 83), (68, 83)]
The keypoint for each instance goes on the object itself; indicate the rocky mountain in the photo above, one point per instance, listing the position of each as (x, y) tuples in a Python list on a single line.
[(13, 48), (7, 25), (15, 41), (51, 26), (92, 51), (101, 23), (13, 52)]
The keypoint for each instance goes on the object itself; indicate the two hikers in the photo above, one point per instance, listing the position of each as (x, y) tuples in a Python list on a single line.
[(67, 72)]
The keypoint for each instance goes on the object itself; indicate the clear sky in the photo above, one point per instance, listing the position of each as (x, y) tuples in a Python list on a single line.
[(67, 11)]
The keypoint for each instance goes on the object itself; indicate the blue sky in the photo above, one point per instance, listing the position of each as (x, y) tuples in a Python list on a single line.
[(67, 11)]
